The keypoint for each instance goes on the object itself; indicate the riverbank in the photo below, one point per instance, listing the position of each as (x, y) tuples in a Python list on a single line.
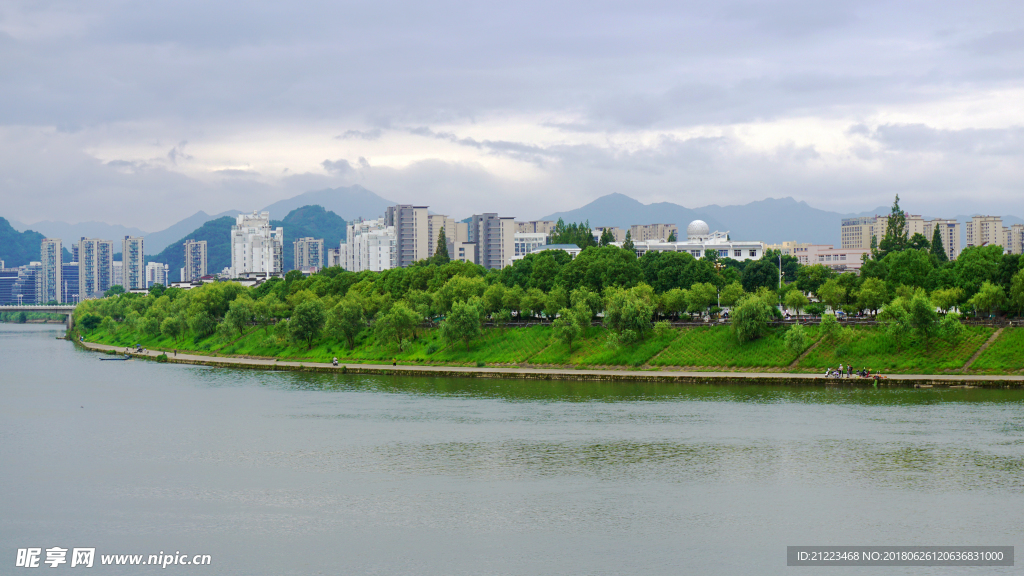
[(680, 377)]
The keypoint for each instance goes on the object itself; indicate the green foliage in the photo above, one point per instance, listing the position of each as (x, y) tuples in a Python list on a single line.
[(975, 266), (797, 339), (345, 321), (895, 239), (578, 234), (731, 294), (601, 267), (760, 273), (810, 278), (750, 317), (832, 293), (1016, 298), (441, 251), (114, 291), (919, 242), (950, 328), (571, 324), (989, 299), (162, 358), (796, 301), (463, 323), (397, 324), (172, 327), (671, 236), (307, 321), (629, 312), (627, 244), (240, 314), (829, 328), (872, 295), (700, 297), (937, 248), (896, 321), (18, 248), (606, 237)]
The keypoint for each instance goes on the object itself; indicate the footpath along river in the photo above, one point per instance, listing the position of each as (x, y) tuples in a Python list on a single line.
[(306, 473)]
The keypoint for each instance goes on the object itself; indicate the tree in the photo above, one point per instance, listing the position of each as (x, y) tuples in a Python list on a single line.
[(872, 295), (629, 313), (989, 299), (796, 301), (578, 234), (760, 273), (628, 243), (172, 327), (796, 339), (700, 297), (829, 328), (750, 318), (923, 318), (936, 245), (397, 323), (731, 294), (606, 237), (672, 236), (919, 242), (896, 321), (114, 291), (441, 252), (201, 322), (346, 321), (895, 239), (463, 323), (307, 321), (947, 298), (266, 310), (240, 314), (1016, 299), (571, 324), (832, 293)]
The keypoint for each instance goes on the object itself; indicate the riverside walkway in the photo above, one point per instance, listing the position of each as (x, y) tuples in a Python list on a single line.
[(692, 377)]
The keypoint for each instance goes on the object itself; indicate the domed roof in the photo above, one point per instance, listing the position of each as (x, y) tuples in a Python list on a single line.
[(698, 228)]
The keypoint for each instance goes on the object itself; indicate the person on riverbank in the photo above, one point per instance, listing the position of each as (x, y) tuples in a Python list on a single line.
[(840, 370)]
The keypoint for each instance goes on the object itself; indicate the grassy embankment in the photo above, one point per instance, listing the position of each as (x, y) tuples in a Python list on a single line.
[(713, 348)]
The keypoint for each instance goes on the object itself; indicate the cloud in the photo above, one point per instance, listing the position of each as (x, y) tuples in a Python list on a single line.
[(339, 167), (373, 134), (237, 173)]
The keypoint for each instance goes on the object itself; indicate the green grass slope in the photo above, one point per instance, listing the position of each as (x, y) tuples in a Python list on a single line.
[(1006, 354), (870, 347)]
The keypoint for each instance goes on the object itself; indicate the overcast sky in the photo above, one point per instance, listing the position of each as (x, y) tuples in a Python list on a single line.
[(142, 112)]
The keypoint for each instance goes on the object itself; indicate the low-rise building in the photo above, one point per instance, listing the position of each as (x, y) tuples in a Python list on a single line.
[(618, 234), (654, 232), (535, 227), (526, 242), (157, 273), (700, 239)]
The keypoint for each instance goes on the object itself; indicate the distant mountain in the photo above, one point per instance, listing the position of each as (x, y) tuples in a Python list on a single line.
[(157, 241), (306, 221), (71, 233), (217, 234), (310, 222), (18, 248), (622, 211), (349, 203)]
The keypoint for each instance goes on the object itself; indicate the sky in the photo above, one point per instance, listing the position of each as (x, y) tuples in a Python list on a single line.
[(142, 112)]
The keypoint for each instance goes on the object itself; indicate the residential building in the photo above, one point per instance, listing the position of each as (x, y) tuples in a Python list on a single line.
[(571, 249), (51, 278), (27, 287), (527, 242), (435, 223), (949, 231), (117, 273), (309, 254), (8, 276), (984, 230), (857, 232), (255, 246), (69, 283), (915, 224), (535, 227), (618, 234), (95, 267), (156, 273), (494, 237), (1013, 242), (334, 257), (371, 245), (652, 232), (195, 260), (134, 263), (412, 236), (459, 246), (839, 259)]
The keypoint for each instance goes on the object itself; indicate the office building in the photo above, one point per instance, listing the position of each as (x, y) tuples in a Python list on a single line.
[(412, 236), (652, 232), (535, 227), (308, 254), (984, 230), (195, 260), (256, 248), (134, 259), (527, 242), (699, 239), (8, 276), (95, 267), (156, 273), (838, 259), (69, 283), (51, 278), (494, 237)]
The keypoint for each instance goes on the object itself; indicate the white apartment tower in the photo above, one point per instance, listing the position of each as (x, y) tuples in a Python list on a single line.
[(494, 237), (95, 267), (50, 280), (195, 260), (983, 230), (255, 246), (371, 245), (156, 273), (309, 254), (412, 234), (134, 267)]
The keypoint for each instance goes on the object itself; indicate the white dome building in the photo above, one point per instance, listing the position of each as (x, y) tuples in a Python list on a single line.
[(697, 229)]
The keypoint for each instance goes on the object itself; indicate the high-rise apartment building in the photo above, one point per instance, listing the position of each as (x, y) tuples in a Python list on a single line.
[(436, 223), (494, 237), (370, 245), (255, 246), (195, 260), (51, 258), (156, 273), (69, 283), (309, 254), (134, 269), (412, 235), (1013, 239), (983, 230), (117, 273), (535, 227), (652, 232), (95, 267), (857, 232), (334, 257)]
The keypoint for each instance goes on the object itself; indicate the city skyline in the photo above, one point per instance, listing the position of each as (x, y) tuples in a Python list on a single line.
[(470, 110)]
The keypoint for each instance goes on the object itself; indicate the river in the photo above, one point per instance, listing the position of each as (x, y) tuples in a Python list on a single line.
[(293, 473)]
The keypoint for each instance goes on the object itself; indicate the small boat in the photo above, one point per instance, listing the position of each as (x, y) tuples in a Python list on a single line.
[(125, 357)]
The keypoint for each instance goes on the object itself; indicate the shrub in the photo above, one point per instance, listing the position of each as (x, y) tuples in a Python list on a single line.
[(796, 339), (480, 364), (815, 309), (662, 328), (750, 318), (830, 328), (950, 327), (161, 358)]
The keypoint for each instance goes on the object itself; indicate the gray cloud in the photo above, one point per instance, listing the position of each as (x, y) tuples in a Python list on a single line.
[(340, 167), (373, 134)]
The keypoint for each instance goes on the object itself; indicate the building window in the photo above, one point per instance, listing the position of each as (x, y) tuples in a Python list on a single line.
[(753, 253), (737, 253)]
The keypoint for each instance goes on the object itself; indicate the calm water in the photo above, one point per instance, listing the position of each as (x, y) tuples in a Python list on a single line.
[(289, 473)]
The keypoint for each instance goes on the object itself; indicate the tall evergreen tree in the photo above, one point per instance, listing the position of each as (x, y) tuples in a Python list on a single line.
[(607, 237), (937, 248), (628, 243), (671, 236), (441, 252), (895, 239)]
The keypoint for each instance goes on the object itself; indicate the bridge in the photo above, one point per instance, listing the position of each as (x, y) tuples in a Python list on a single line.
[(66, 309)]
